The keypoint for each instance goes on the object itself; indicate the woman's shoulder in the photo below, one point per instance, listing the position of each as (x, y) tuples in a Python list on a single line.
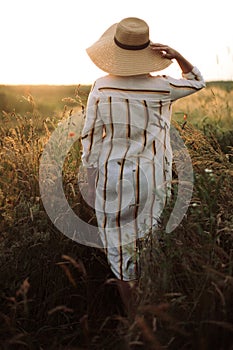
[(139, 81)]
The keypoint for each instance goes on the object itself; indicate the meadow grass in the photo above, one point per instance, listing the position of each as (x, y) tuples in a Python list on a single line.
[(57, 294)]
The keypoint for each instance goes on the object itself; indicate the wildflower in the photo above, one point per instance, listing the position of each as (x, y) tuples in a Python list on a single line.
[(71, 134), (185, 121)]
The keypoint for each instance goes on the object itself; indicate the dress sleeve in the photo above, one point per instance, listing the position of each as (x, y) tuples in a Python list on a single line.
[(191, 82), (92, 133)]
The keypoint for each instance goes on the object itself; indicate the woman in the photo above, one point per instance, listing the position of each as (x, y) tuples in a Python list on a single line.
[(126, 139)]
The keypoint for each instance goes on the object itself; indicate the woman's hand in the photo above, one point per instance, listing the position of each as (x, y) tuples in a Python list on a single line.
[(165, 51), (168, 52)]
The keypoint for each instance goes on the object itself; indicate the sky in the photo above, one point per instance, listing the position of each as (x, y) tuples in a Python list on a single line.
[(44, 41)]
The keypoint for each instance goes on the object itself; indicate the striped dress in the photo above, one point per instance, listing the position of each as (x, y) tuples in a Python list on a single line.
[(126, 136)]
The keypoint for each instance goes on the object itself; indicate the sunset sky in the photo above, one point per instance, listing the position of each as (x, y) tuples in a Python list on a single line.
[(44, 41)]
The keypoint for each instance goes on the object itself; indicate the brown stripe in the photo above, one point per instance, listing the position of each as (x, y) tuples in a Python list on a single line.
[(146, 124), (154, 183), (154, 148), (160, 107), (154, 151), (118, 216), (106, 171), (138, 185), (137, 172), (134, 253), (128, 120), (135, 90), (166, 162), (131, 47), (160, 113), (185, 87), (137, 196), (165, 148), (122, 163)]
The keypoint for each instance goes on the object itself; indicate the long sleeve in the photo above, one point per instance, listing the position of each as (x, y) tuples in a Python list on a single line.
[(191, 82), (92, 133)]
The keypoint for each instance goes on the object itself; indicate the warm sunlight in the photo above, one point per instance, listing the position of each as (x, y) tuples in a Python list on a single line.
[(44, 41)]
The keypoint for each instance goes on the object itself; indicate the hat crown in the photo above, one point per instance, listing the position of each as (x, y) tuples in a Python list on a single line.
[(124, 50), (132, 31)]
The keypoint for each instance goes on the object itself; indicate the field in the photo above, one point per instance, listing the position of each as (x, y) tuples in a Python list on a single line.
[(56, 294)]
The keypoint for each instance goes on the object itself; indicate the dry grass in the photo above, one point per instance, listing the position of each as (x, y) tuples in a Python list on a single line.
[(213, 105), (53, 292), (192, 266)]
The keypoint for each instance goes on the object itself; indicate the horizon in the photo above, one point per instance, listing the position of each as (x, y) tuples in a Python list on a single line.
[(88, 84)]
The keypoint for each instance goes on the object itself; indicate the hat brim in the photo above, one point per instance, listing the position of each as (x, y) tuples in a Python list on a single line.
[(112, 59)]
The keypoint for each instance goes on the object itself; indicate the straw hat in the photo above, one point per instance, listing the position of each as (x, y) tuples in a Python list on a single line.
[(124, 49)]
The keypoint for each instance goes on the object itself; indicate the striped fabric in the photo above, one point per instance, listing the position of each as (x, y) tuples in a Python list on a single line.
[(126, 136)]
